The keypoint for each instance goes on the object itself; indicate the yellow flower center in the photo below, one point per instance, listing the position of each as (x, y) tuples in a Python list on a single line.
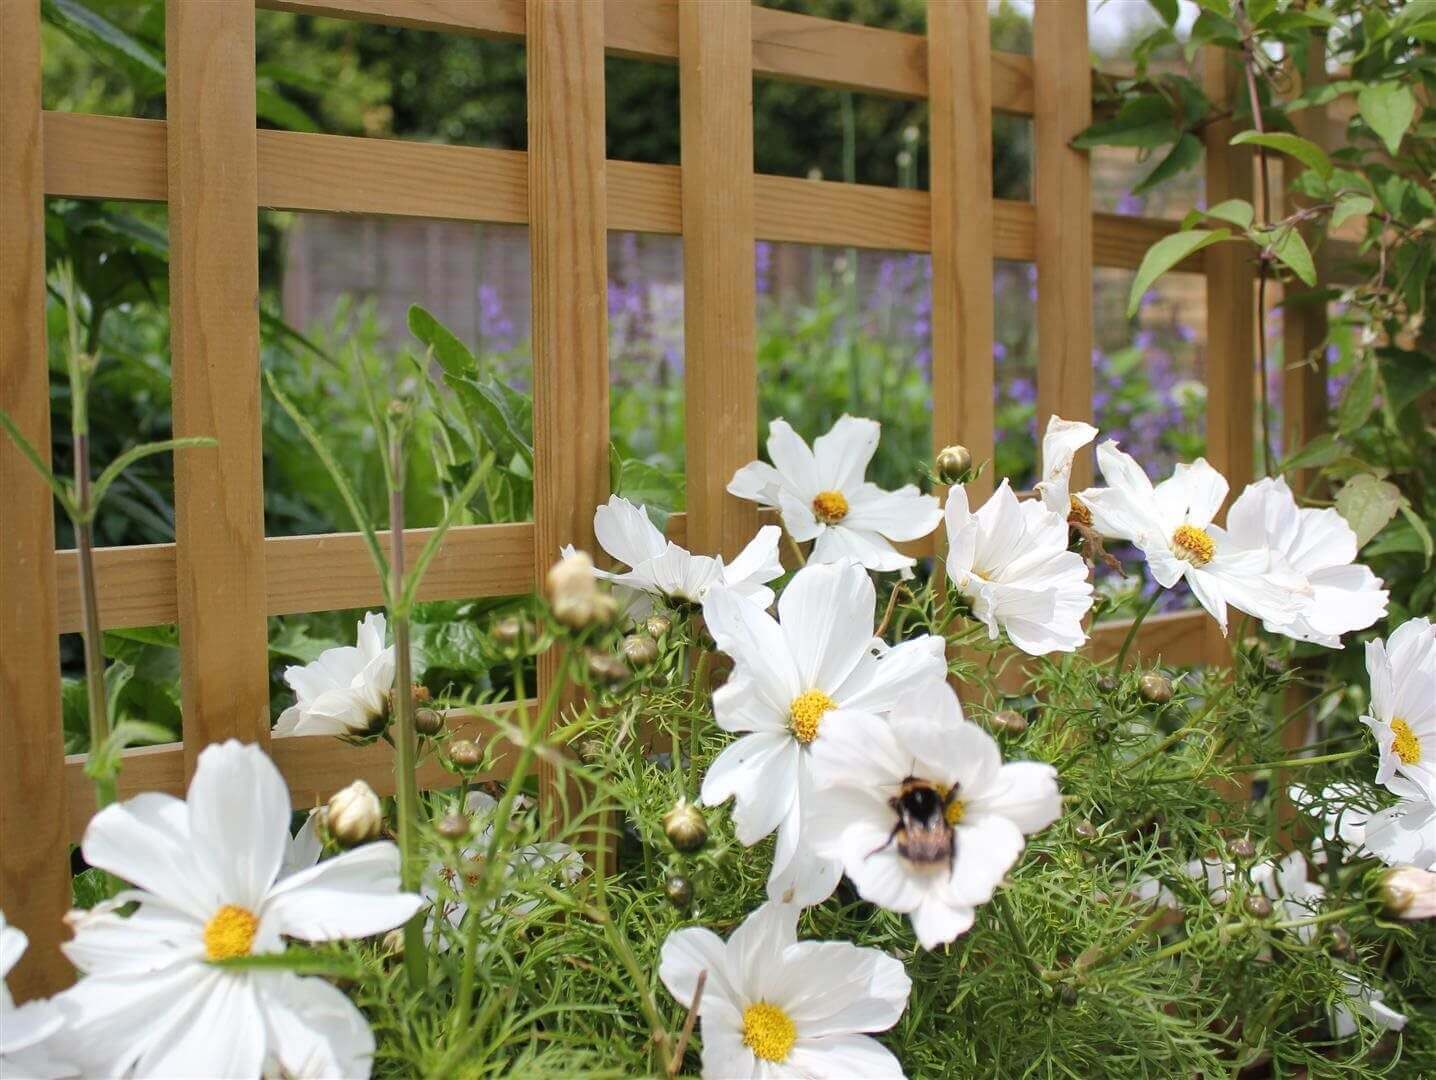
[(1193, 544), (1406, 744), (805, 712), (955, 812), (230, 933), (1078, 513), (768, 1032), (830, 507)]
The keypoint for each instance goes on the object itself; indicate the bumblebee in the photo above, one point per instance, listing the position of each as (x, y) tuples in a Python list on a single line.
[(922, 833)]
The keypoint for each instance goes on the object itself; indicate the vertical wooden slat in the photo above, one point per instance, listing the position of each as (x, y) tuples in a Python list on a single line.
[(567, 244), (1062, 108), (35, 882), (1304, 325), (1231, 304), (715, 68), (960, 85), (214, 343)]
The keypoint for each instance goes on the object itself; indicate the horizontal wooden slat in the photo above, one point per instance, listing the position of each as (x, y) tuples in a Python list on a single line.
[(786, 45), (315, 766), (119, 158), (1178, 639)]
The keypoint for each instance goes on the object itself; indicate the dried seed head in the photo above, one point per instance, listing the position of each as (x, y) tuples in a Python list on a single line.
[(1155, 688), (657, 625), (685, 827), (1257, 906), (463, 754), (606, 669), (354, 815), (640, 650), (1008, 720), (574, 595), (679, 891), (428, 721), (953, 464)]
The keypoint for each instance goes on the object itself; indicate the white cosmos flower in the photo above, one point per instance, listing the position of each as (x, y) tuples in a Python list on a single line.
[(1010, 559), (1317, 544), (345, 691), (660, 567), (1059, 448), (1404, 834), (1172, 525), (1369, 1002), (788, 674), (528, 860), (30, 1033), (927, 752), (823, 497), (776, 1007), (1403, 703), (205, 872)]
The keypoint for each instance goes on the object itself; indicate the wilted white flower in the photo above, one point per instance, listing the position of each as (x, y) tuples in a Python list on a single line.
[(205, 872), (1172, 525), (354, 815), (775, 1007), (1297, 897), (573, 592), (346, 690), (921, 810), (823, 497), (557, 859), (1370, 1003), (1319, 545), (788, 674), (1010, 559), (29, 1045), (1403, 704), (660, 567), (1343, 809), (1059, 449)]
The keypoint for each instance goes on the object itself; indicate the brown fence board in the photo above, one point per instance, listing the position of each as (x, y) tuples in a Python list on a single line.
[(35, 872)]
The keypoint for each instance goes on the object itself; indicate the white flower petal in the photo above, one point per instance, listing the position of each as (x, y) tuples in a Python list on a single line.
[(938, 920), (145, 840), (757, 482), (835, 987), (313, 1030), (761, 770), (826, 614), (904, 514), (239, 819), (352, 895), (757, 645), (854, 1057), (625, 532), (877, 682), (838, 543), (688, 952), (793, 460), (842, 455), (1026, 794)]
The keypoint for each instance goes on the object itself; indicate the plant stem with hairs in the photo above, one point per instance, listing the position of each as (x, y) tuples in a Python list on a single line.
[(1249, 65)]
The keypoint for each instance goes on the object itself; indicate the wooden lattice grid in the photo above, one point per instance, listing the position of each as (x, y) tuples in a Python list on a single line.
[(222, 577)]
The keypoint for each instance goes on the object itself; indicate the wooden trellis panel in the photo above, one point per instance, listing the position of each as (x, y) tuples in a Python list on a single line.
[(222, 576)]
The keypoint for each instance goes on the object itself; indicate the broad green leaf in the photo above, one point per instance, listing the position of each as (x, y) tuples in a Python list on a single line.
[(1322, 450), (99, 36), (273, 106), (1388, 109), (1348, 207), (1167, 9), (1144, 121), (1420, 528), (1185, 153), (1167, 253), (1368, 505), (1237, 212), (451, 353), (1291, 250), (1304, 150), (1405, 377), (1356, 402)]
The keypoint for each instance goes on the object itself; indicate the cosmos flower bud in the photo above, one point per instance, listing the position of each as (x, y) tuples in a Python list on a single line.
[(1155, 688), (574, 595), (1257, 906), (508, 631), (453, 826), (1408, 893), (1242, 847), (953, 464), (1008, 720), (1106, 684), (685, 827), (679, 891), (1085, 830), (606, 669), (428, 721), (464, 753), (354, 815), (640, 650), (657, 625)]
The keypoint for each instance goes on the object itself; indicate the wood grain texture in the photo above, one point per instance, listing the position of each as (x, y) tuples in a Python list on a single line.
[(1063, 192), (720, 296), (568, 253), (214, 344), (959, 60), (35, 874), (1231, 306), (122, 158)]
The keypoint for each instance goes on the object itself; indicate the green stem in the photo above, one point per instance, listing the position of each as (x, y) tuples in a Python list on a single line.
[(105, 788), (1136, 624), (1004, 912)]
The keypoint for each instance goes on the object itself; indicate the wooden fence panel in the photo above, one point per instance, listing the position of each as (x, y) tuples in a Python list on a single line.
[(35, 875), (214, 347), (568, 246), (960, 119), (1062, 190), (720, 296)]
